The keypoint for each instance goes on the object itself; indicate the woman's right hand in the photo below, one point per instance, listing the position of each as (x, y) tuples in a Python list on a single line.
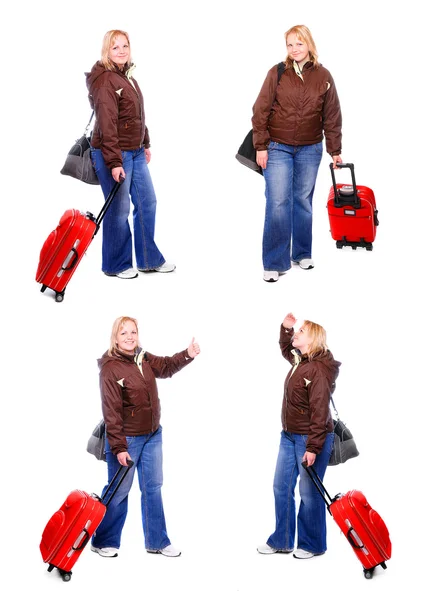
[(117, 173), (289, 321), (262, 158), (122, 458)]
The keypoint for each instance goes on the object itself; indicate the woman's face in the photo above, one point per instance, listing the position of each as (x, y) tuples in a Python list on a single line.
[(119, 52), (302, 340), (297, 50), (127, 338)]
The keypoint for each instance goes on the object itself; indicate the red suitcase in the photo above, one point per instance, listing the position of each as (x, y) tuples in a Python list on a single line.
[(352, 212), (363, 527), (71, 527), (66, 245)]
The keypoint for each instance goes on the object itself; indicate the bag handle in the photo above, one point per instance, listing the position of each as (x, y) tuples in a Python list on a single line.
[(338, 200)]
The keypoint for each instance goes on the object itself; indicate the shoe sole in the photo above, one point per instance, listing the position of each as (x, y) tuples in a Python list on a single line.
[(304, 268), (116, 275), (154, 271), (163, 554)]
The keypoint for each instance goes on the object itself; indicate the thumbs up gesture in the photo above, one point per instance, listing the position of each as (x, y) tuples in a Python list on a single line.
[(193, 349)]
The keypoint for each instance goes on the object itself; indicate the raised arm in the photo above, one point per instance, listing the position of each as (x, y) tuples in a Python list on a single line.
[(167, 366), (286, 335)]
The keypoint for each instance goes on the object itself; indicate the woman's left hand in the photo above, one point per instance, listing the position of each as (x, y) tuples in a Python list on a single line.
[(309, 458), (337, 159), (194, 349), (148, 155)]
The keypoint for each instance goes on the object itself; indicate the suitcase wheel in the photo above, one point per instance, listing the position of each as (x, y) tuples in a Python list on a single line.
[(59, 296), (368, 573), (66, 575)]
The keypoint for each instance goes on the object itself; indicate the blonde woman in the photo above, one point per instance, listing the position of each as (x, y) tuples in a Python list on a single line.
[(131, 410), (289, 119), (307, 435), (121, 149)]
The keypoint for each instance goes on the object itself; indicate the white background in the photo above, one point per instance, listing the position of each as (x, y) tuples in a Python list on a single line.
[(200, 67)]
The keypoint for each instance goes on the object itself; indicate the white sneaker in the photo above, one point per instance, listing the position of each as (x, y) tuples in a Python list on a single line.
[(265, 549), (303, 554), (127, 274), (165, 268), (271, 276), (305, 263), (105, 552), (167, 551)]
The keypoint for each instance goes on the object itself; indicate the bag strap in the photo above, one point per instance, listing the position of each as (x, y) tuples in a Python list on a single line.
[(88, 124), (334, 407), (280, 70)]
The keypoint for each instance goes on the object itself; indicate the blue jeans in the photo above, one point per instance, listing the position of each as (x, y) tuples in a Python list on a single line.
[(117, 239), (311, 524), (146, 452), (290, 176)]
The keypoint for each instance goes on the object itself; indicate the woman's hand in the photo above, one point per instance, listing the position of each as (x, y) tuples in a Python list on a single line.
[(289, 321), (147, 154), (337, 159), (309, 458), (117, 173), (194, 349), (262, 158), (122, 458)]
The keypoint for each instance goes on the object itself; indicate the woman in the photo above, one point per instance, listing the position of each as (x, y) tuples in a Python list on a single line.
[(307, 436), (289, 117), (131, 410), (120, 151)]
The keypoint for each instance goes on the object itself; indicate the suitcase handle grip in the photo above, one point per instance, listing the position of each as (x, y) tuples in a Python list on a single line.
[(73, 261), (338, 201), (352, 540), (82, 542)]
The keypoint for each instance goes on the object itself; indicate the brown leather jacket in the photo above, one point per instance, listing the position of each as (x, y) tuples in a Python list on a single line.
[(130, 400), (297, 112), (119, 109), (307, 391)]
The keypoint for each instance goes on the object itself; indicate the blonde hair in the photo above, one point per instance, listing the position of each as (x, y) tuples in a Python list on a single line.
[(116, 327), (319, 339), (305, 36), (108, 42)]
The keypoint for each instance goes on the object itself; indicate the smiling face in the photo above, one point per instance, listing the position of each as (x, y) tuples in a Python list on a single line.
[(119, 51), (302, 340), (296, 49), (127, 338)]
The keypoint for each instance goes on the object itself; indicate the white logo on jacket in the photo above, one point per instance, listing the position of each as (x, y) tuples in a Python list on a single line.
[(119, 92), (121, 382), (307, 382)]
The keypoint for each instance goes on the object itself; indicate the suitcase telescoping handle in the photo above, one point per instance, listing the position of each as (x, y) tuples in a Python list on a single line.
[(82, 540), (338, 199), (107, 203), (120, 474), (317, 481)]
